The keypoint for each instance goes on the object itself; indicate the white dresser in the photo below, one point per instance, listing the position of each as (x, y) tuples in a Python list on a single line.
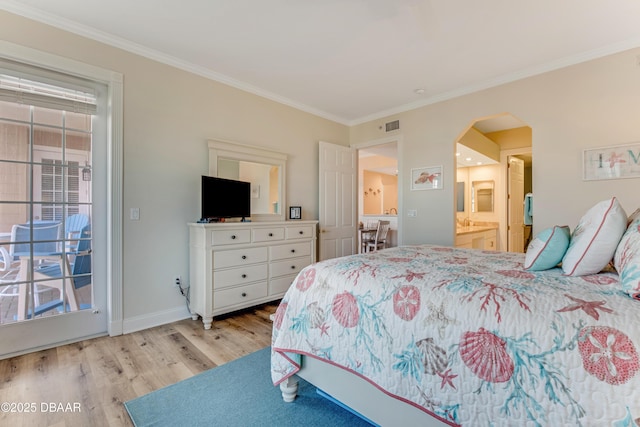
[(235, 265)]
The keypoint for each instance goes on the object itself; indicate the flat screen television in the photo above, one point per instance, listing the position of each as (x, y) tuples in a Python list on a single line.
[(225, 198)]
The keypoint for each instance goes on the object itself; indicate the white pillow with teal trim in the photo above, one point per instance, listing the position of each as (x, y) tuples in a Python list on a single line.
[(627, 259), (547, 249), (595, 239)]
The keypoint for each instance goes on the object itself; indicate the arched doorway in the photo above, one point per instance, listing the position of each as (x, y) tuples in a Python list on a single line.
[(484, 152)]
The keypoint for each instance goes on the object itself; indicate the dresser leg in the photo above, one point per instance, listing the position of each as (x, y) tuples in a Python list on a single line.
[(206, 320)]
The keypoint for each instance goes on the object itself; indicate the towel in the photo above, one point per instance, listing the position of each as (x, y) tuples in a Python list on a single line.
[(528, 209)]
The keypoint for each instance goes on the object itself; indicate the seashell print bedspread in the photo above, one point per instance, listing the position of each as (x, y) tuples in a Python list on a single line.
[(469, 336)]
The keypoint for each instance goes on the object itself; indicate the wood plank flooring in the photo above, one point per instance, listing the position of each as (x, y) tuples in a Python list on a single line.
[(95, 377)]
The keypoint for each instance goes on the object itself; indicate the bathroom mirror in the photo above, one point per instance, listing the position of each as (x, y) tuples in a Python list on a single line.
[(264, 169), (460, 196), (482, 196)]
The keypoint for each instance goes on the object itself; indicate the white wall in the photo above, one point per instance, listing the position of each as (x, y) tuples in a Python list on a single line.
[(168, 116), (588, 105)]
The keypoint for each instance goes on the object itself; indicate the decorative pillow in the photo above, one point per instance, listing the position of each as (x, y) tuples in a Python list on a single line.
[(547, 249), (635, 215), (595, 239), (627, 259)]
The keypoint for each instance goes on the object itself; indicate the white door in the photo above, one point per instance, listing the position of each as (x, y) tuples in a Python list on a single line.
[(515, 209), (66, 289), (338, 174)]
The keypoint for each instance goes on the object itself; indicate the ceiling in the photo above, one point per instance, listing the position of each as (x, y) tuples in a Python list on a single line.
[(353, 60)]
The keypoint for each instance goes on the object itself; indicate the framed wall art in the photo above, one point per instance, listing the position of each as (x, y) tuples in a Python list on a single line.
[(295, 212), (427, 178), (614, 162)]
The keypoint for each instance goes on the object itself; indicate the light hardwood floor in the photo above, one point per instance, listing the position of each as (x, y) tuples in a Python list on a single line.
[(99, 375)]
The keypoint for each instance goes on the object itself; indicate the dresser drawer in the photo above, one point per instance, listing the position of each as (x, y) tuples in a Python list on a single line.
[(281, 285), (236, 257), (230, 237), (237, 276), (291, 250), (290, 266), (268, 234), (239, 295), (302, 232)]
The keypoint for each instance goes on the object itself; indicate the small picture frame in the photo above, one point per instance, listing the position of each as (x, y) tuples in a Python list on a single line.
[(295, 212), (426, 178)]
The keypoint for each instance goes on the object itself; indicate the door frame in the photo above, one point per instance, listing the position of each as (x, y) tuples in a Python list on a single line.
[(111, 231), (398, 139), (504, 220)]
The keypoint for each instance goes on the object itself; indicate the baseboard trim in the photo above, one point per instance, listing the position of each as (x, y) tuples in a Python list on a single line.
[(146, 321)]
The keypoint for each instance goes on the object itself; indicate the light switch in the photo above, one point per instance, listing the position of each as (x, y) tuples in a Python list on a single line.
[(412, 212), (134, 214)]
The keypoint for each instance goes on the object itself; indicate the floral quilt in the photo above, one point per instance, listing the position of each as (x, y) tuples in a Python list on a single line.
[(468, 336)]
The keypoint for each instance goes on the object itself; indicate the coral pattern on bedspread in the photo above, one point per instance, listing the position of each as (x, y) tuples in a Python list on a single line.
[(469, 336)]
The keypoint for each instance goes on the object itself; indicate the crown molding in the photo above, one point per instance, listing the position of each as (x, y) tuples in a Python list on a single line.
[(92, 33)]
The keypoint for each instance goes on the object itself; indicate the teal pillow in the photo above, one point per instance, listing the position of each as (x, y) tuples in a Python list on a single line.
[(547, 249)]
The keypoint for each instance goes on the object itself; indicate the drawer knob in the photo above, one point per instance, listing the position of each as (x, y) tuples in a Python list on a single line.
[(293, 267), (244, 294), (244, 257), (233, 237), (244, 276), (293, 251), (300, 232), (270, 234)]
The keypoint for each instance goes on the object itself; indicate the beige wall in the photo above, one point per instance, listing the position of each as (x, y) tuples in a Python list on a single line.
[(168, 116), (588, 105)]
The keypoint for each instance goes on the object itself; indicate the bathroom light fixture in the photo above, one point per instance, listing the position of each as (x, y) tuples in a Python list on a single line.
[(418, 91)]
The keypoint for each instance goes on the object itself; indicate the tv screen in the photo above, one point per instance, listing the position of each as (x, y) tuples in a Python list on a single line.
[(225, 198)]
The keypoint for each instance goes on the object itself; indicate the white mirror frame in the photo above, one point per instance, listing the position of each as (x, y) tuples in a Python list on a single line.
[(234, 151)]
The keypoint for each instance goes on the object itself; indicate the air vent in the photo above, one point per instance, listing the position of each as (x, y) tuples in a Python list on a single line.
[(394, 125)]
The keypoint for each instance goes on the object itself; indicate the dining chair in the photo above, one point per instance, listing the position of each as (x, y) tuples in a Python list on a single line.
[(9, 268), (76, 276), (380, 239), (45, 236), (73, 226)]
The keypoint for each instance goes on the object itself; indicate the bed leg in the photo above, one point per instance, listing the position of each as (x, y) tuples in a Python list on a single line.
[(289, 388)]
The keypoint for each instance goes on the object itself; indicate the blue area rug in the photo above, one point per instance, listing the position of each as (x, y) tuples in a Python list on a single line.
[(239, 393)]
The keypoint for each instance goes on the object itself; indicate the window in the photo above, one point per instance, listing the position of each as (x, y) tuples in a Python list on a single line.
[(45, 191)]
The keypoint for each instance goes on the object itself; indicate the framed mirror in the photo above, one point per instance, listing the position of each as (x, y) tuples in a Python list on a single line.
[(264, 169), (482, 196)]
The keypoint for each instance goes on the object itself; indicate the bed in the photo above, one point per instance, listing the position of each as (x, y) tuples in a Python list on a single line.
[(431, 335)]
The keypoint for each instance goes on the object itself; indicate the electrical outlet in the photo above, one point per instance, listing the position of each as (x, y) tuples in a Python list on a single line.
[(178, 281)]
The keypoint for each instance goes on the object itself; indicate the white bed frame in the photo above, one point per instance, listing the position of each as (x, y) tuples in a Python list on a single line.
[(357, 394)]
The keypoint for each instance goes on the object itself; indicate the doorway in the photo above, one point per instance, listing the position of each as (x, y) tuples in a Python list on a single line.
[(378, 186), (484, 152)]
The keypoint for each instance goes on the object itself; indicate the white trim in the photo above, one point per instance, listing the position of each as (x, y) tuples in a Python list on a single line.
[(109, 39), (505, 78), (150, 320), (220, 148), (399, 140), (504, 173)]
